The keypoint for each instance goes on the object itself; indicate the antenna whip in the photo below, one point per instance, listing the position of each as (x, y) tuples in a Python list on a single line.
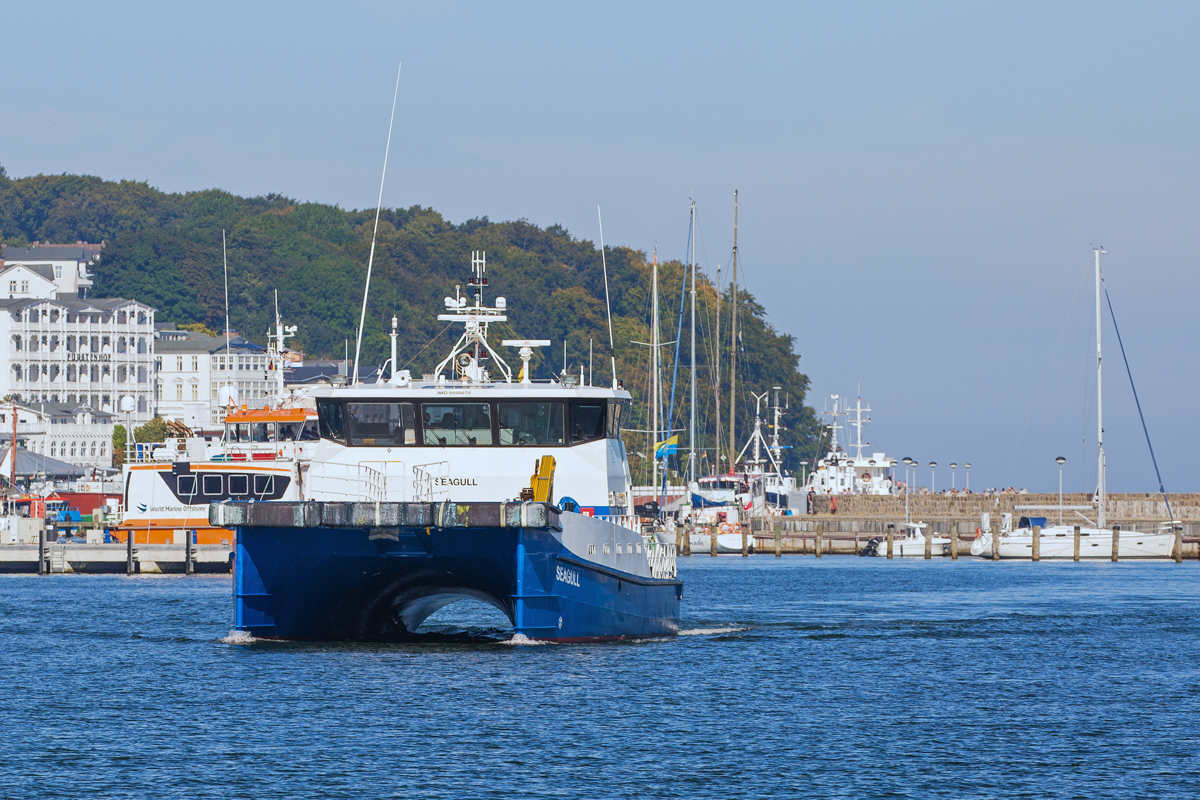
[(378, 206)]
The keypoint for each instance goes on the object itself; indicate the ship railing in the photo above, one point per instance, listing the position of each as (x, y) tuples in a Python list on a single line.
[(628, 521), (354, 482), (661, 557), (424, 480)]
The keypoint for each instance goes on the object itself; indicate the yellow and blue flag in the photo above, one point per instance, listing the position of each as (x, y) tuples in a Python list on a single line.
[(668, 448)]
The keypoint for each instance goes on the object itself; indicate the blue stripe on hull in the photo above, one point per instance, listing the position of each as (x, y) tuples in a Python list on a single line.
[(342, 584)]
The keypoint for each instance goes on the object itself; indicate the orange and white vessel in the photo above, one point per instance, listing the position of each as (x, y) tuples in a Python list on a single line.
[(167, 488)]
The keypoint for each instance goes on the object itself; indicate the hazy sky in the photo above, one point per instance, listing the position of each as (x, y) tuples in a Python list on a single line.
[(921, 183)]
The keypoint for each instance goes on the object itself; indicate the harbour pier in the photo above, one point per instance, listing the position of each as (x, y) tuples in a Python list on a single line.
[(141, 559)]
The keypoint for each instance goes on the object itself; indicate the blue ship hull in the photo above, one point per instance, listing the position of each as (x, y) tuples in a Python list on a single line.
[(367, 583)]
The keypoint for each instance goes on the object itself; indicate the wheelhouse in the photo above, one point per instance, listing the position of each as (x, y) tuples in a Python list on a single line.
[(469, 422)]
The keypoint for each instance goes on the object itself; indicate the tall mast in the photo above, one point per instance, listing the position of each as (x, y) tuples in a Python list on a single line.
[(1099, 399), (717, 379), (733, 347), (692, 420), (654, 375)]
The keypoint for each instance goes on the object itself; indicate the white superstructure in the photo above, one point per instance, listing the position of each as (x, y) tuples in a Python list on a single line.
[(838, 472)]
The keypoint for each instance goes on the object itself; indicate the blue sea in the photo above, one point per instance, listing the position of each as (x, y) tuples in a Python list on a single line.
[(794, 677)]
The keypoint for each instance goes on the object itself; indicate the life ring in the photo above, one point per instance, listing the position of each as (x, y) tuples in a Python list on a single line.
[(866, 476)]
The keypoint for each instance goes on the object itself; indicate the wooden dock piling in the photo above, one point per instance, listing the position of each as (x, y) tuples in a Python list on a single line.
[(1076, 542), (1036, 555), (1178, 554), (778, 539), (712, 540), (996, 544), (129, 552), (745, 526), (187, 553), (817, 542), (41, 553), (1116, 542), (954, 542), (891, 535), (928, 542)]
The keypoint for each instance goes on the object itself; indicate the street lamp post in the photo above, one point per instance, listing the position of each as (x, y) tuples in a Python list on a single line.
[(908, 462), (933, 477), (1060, 461), (128, 405), (967, 467), (803, 473), (953, 475)]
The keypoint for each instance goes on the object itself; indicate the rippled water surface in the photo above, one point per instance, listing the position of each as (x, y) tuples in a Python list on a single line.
[(839, 677)]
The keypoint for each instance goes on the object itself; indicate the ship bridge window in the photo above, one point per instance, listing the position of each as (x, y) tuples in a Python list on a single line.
[(309, 432), (239, 485), (616, 412), (530, 423), (329, 414), (262, 432), (237, 433), (457, 424), (380, 424), (587, 420)]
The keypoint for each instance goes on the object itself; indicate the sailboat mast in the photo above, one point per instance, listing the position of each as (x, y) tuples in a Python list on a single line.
[(654, 376), (692, 420), (733, 346), (717, 379), (1099, 401)]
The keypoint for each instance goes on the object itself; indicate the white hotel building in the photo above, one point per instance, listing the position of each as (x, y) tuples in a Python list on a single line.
[(65, 349)]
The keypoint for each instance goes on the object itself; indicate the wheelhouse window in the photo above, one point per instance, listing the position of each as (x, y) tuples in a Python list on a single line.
[(530, 423), (457, 424), (309, 432), (587, 420), (615, 412), (237, 433), (380, 424), (329, 415)]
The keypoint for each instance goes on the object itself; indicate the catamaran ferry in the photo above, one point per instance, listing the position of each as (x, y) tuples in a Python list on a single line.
[(419, 493)]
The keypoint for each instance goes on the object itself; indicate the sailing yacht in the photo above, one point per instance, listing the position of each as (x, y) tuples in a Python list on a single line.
[(1058, 541)]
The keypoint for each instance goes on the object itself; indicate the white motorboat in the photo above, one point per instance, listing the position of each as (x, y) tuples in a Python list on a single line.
[(911, 543)]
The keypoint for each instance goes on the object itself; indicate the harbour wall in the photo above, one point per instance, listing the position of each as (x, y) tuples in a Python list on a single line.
[(1139, 509)]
